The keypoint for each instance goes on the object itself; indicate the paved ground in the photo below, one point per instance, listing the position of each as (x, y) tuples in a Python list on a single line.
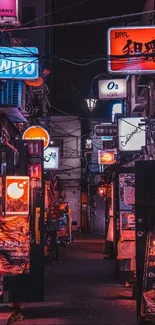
[(5, 313), (82, 290)]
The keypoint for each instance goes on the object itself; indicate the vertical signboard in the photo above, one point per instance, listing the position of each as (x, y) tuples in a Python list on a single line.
[(17, 195), (15, 227), (127, 202), (35, 162), (22, 229), (127, 247)]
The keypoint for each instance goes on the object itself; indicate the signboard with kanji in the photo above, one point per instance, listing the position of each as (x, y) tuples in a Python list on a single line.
[(106, 130), (131, 50)]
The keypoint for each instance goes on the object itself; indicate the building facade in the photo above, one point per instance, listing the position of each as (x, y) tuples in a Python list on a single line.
[(65, 133)]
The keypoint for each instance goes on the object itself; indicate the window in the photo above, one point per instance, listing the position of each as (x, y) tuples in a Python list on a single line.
[(28, 15), (11, 93)]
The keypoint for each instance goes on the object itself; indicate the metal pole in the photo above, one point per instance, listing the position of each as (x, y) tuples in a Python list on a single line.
[(89, 213), (133, 92)]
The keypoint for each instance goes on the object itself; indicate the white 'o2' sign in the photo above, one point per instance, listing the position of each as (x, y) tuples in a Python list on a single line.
[(112, 89)]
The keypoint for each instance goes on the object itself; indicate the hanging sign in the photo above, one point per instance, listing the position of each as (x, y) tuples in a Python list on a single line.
[(107, 157), (112, 89), (132, 50), (51, 158), (19, 63), (106, 130), (132, 136), (37, 133), (17, 195), (9, 12)]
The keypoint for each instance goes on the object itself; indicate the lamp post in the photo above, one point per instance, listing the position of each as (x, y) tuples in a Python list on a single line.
[(91, 100)]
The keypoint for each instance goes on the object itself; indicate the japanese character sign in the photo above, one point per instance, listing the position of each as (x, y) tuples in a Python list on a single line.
[(132, 50)]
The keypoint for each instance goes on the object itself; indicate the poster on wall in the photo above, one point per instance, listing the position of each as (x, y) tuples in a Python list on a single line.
[(129, 195), (127, 191), (128, 235), (14, 245), (128, 225), (128, 220), (126, 250), (17, 195)]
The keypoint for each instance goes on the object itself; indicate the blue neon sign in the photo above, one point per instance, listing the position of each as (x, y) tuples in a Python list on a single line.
[(106, 138), (19, 63)]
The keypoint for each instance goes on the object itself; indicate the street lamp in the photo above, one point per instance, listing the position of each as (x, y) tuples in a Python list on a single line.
[(91, 100)]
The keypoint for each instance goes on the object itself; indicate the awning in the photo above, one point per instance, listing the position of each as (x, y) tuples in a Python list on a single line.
[(13, 113)]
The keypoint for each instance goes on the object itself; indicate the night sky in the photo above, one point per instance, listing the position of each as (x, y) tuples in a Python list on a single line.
[(83, 44)]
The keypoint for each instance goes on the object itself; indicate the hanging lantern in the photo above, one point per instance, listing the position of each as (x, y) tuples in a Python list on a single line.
[(91, 101), (105, 190)]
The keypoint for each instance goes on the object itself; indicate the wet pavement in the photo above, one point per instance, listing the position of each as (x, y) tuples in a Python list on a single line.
[(82, 289)]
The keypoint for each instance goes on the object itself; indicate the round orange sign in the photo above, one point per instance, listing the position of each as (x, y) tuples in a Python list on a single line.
[(37, 133)]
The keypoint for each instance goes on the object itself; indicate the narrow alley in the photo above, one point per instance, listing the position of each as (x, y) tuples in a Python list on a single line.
[(82, 289)]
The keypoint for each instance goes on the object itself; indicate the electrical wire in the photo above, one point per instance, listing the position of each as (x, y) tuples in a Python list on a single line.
[(77, 147), (27, 48), (66, 133), (55, 12), (80, 64), (82, 22), (67, 170), (68, 114), (134, 59)]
